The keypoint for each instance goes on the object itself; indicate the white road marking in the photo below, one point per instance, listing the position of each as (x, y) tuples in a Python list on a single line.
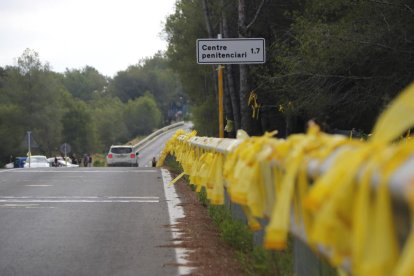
[(176, 212), (135, 197), (7, 170), (26, 206), (18, 205), (80, 197), (77, 199), (38, 185), (82, 171)]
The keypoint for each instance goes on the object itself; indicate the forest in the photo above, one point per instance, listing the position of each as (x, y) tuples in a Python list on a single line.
[(336, 62), (81, 106)]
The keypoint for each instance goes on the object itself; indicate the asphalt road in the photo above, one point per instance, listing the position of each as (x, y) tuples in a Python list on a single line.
[(153, 149), (84, 221)]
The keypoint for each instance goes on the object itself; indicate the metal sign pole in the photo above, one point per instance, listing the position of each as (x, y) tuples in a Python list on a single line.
[(219, 51), (29, 146), (220, 91), (220, 97), (66, 160)]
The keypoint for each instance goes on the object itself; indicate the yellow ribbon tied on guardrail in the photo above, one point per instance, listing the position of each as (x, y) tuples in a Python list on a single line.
[(339, 209), (350, 218)]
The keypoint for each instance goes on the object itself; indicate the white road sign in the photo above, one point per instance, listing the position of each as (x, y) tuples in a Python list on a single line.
[(65, 148), (231, 51)]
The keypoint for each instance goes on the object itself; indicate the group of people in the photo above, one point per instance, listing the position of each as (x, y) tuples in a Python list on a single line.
[(86, 160)]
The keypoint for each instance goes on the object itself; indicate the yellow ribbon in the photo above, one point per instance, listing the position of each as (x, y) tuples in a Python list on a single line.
[(341, 211)]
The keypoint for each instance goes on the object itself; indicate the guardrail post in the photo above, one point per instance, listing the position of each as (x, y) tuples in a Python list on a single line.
[(306, 262)]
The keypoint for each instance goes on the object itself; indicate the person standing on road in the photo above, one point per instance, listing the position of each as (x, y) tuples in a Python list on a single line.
[(89, 160), (74, 159), (85, 160)]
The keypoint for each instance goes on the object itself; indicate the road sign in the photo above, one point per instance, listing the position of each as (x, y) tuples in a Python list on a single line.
[(65, 148), (231, 51), (29, 140)]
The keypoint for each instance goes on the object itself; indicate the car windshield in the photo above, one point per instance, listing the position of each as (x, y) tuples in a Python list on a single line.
[(121, 150), (36, 159)]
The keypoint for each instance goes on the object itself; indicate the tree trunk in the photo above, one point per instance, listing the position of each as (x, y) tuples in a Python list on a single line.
[(246, 115), (231, 90), (234, 97), (207, 21), (228, 112), (206, 12), (250, 125)]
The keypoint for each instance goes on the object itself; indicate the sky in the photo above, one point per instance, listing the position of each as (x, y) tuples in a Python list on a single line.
[(108, 35)]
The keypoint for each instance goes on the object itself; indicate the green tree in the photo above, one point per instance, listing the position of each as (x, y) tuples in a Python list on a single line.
[(151, 74), (231, 19), (37, 93), (164, 84), (11, 131), (142, 115), (344, 61), (108, 115), (79, 128), (183, 28), (129, 84), (84, 83)]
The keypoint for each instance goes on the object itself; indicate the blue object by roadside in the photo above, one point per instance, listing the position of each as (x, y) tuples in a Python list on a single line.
[(19, 162)]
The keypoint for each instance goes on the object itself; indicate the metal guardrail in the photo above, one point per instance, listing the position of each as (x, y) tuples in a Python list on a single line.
[(147, 139), (350, 200), (400, 181)]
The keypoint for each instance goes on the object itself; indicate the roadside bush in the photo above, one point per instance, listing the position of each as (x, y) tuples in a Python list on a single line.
[(99, 160)]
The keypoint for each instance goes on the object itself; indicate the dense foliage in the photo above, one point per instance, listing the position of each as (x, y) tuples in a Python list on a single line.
[(338, 62), (82, 107)]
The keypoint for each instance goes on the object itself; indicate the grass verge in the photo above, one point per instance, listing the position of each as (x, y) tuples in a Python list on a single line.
[(99, 160), (253, 258)]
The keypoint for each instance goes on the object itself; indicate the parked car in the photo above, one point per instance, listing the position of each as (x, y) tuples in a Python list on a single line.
[(36, 161), (120, 155)]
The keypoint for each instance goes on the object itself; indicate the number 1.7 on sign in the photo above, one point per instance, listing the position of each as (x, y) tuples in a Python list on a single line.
[(231, 51)]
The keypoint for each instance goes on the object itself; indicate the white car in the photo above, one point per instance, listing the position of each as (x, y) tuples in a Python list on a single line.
[(61, 162), (120, 155), (36, 161)]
